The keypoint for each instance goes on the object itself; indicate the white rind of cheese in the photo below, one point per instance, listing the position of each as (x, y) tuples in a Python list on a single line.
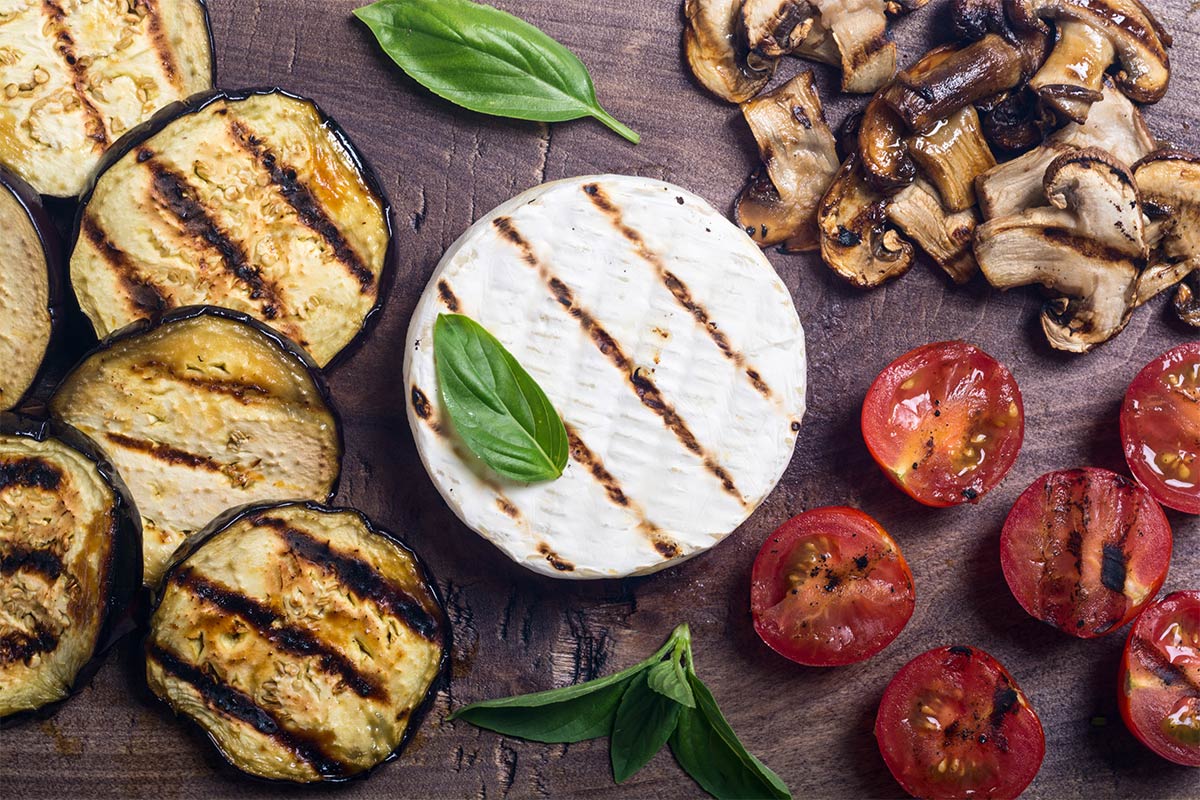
[(690, 304)]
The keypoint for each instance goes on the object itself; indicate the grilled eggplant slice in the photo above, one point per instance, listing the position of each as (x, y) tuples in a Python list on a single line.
[(205, 410), (70, 563), (254, 201), (304, 640), (29, 287), (76, 74)]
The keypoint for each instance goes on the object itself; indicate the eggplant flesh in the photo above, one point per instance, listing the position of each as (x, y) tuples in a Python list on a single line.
[(302, 639), (69, 562), (26, 319), (76, 75), (206, 410), (255, 202)]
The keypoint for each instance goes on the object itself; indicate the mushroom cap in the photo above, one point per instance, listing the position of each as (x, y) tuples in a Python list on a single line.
[(1134, 32), (1082, 246), (1073, 75), (856, 240), (713, 54), (1169, 182)]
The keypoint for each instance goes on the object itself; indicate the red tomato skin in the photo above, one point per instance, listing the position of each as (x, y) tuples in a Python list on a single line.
[(1186, 605), (851, 528), (876, 409), (1134, 431), (1014, 750), (1035, 593)]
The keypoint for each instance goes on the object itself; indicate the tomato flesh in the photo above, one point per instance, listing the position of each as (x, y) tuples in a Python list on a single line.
[(1159, 692), (1084, 550), (945, 423), (954, 724), (830, 587), (1160, 428)]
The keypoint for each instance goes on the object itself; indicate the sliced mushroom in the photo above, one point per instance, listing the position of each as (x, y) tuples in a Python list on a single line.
[(946, 237), (819, 45), (1187, 300), (1083, 247), (800, 157), (978, 71), (1114, 125), (714, 54), (1137, 37), (1015, 121), (974, 19), (856, 240), (859, 28), (1169, 183), (952, 155), (775, 28), (898, 7), (1071, 79)]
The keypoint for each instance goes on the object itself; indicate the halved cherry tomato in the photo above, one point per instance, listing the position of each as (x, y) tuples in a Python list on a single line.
[(945, 423), (1159, 690), (1084, 550), (954, 724), (1160, 428), (830, 587)]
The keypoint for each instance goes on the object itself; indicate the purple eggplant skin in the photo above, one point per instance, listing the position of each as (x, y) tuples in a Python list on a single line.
[(137, 135), (125, 558), (56, 267), (439, 683)]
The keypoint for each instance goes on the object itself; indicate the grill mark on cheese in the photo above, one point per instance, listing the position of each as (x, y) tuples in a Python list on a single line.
[(30, 472), (555, 560), (144, 297), (22, 646), (584, 456), (64, 44), (22, 558), (238, 706), (162, 45), (356, 575), (676, 287), (178, 197), (645, 389), (177, 456), (275, 629), (308, 209), (447, 295)]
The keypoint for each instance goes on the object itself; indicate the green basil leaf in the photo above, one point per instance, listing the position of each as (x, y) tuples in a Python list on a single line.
[(668, 679), (586, 716), (707, 748), (486, 60), (500, 412), (645, 720)]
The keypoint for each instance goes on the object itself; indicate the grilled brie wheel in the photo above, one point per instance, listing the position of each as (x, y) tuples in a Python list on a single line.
[(70, 562), (204, 411), (254, 201), (28, 287), (302, 638), (664, 339), (77, 74)]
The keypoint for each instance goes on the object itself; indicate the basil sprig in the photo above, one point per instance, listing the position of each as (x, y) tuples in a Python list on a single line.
[(640, 709), (500, 412), (486, 60)]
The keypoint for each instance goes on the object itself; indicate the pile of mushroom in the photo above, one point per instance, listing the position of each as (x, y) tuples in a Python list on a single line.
[(1089, 205)]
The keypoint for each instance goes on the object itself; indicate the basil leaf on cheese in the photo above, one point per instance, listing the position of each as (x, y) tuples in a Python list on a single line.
[(708, 750), (500, 412), (486, 60)]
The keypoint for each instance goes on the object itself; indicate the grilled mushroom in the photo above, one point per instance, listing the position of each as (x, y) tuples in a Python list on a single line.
[(774, 28), (715, 55), (1114, 125), (1135, 36), (779, 205), (859, 28), (1071, 79), (952, 155), (1169, 183), (856, 240), (1015, 121), (945, 236), (1083, 247)]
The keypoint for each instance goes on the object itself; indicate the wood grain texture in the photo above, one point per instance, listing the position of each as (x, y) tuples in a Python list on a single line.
[(517, 632)]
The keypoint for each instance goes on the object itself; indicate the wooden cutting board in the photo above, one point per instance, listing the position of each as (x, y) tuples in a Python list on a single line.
[(516, 632)]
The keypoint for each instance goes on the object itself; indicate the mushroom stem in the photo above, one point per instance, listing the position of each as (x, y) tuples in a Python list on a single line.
[(952, 155), (1072, 77)]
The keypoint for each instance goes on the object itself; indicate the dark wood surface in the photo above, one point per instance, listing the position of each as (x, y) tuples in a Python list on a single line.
[(517, 632)]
